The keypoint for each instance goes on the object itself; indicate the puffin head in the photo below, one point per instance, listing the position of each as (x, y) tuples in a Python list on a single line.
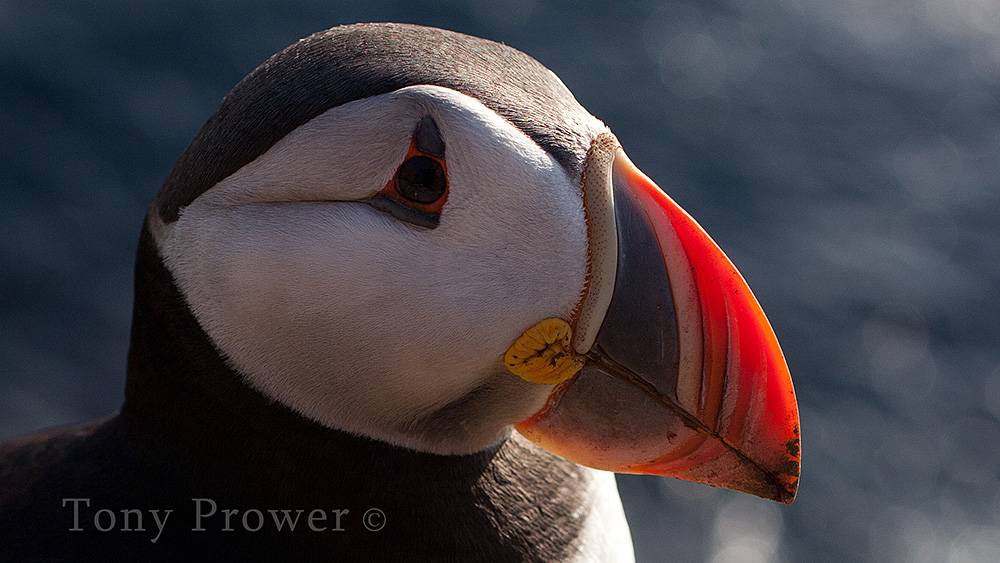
[(421, 237)]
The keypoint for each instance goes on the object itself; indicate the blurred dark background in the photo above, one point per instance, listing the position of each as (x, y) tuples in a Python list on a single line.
[(845, 154)]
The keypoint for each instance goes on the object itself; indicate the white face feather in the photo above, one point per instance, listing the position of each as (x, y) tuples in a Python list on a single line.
[(369, 324)]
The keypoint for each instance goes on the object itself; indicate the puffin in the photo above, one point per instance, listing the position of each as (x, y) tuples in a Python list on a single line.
[(404, 298)]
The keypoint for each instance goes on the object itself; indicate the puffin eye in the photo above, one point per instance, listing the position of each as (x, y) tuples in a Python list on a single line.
[(419, 189), (421, 179)]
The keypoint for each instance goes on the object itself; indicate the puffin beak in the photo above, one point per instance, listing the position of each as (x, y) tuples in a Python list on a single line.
[(684, 377)]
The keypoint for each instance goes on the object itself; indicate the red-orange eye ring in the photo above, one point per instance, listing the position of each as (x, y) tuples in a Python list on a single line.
[(418, 190)]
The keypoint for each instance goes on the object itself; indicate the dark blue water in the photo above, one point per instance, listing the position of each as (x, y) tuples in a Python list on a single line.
[(845, 154)]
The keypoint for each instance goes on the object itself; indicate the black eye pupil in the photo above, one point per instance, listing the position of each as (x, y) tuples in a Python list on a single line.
[(421, 179)]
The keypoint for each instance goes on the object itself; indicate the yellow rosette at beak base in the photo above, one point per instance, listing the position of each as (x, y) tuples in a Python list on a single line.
[(543, 354)]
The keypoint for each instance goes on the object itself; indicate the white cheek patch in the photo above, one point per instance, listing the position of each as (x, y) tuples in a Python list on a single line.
[(362, 322)]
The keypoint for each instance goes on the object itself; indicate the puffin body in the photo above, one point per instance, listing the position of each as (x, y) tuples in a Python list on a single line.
[(403, 298)]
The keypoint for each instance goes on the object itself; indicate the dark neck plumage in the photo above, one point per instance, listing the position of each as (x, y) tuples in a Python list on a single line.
[(212, 435)]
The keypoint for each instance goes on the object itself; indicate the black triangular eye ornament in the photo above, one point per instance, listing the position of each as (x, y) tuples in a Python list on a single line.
[(418, 190)]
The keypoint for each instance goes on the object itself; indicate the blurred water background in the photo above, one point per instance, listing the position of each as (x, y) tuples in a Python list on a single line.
[(845, 154)]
